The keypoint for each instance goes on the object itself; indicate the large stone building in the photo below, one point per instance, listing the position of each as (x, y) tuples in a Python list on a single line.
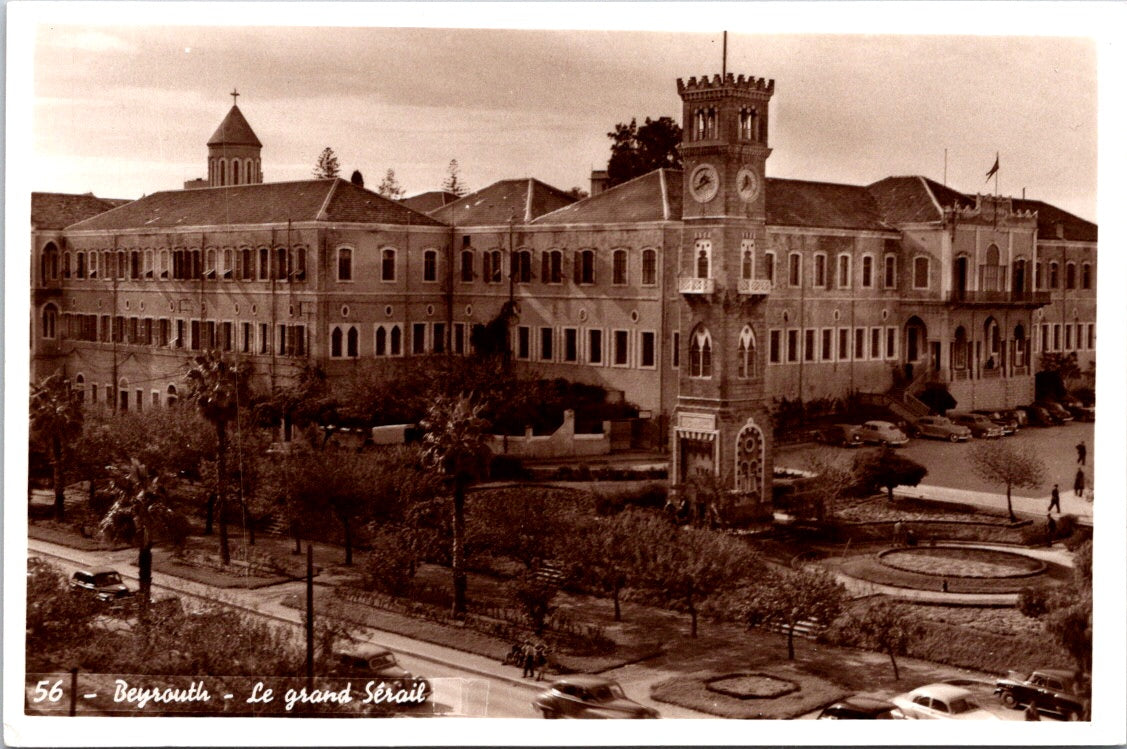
[(703, 295)]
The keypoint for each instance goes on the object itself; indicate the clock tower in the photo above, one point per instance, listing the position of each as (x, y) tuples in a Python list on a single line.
[(721, 423)]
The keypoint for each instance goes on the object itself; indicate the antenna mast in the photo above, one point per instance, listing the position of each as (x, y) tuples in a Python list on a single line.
[(724, 61)]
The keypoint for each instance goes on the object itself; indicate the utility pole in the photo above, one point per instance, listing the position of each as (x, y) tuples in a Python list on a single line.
[(309, 614)]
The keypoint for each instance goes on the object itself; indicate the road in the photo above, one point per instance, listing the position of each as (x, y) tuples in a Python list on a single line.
[(463, 691)]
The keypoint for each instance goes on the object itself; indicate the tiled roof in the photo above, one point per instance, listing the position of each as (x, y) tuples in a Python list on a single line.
[(54, 210), (948, 197), (821, 205), (270, 203), (905, 200), (234, 131), (425, 202), (1049, 217), (521, 200), (655, 196)]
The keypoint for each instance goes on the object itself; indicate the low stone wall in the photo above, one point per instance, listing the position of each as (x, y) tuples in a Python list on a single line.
[(564, 443)]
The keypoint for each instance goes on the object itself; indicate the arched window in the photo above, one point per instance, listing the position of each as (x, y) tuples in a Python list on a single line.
[(921, 268), (336, 345), (700, 353), (171, 396), (210, 270), (522, 266), (703, 257), (430, 265), (960, 348), (1020, 346), (281, 263), (820, 269), (747, 259), (867, 271), (299, 264), (699, 121), (121, 264), (649, 267), (50, 320), (344, 264), (1086, 276), (890, 271), (710, 123), (246, 264), (993, 344), (163, 271), (1018, 276), (80, 387), (263, 263), (228, 267), (746, 353), (222, 172), (794, 270), (234, 171), (618, 268), (466, 267), (197, 265), (80, 265), (844, 271), (387, 264), (1069, 275), (66, 265), (50, 269), (1054, 275), (396, 340), (993, 254), (381, 341), (353, 342)]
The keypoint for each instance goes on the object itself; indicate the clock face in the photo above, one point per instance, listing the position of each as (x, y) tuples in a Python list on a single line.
[(747, 184), (704, 183)]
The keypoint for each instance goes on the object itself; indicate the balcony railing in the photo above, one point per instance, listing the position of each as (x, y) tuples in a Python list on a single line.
[(689, 285), (754, 286), (995, 298)]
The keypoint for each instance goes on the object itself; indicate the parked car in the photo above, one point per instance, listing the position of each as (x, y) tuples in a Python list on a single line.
[(979, 425), (105, 584), (940, 428), (1079, 411), (941, 702), (583, 696), (882, 433), (1050, 690), (859, 707), (1008, 423), (374, 663), (1014, 414), (1059, 412), (1038, 416), (845, 435)]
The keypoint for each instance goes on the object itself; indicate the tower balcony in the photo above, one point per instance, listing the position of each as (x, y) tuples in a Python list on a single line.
[(754, 286), (965, 298), (690, 285)]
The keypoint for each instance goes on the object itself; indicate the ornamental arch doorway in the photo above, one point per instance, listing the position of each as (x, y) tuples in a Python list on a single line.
[(750, 461)]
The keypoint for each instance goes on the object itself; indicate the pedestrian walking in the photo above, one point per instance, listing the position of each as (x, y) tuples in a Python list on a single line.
[(541, 660), (1051, 530), (897, 533), (1081, 453), (1054, 498), (1078, 485), (529, 662)]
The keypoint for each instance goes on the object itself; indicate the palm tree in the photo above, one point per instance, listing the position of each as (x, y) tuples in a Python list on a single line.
[(56, 420), (140, 514), (219, 388), (455, 444)]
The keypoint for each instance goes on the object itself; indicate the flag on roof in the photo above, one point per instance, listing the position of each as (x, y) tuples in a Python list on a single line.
[(993, 169)]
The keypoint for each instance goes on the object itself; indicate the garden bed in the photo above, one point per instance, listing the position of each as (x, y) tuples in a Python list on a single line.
[(870, 569), (218, 576), (963, 562), (693, 691), (66, 535)]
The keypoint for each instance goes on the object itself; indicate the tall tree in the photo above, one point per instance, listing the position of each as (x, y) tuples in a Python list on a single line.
[(56, 422), (789, 597), (887, 470), (455, 443), (327, 166), (453, 182), (605, 553), (1002, 463), (389, 187), (219, 388), (140, 514), (887, 626), (635, 151)]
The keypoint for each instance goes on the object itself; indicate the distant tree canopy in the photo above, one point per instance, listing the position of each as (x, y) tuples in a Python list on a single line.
[(389, 187), (634, 150), (327, 166), (453, 182)]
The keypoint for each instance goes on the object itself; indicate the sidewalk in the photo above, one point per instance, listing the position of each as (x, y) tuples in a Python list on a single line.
[(1034, 507)]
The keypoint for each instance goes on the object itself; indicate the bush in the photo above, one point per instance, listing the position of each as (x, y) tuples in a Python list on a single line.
[(390, 565), (534, 598), (613, 501)]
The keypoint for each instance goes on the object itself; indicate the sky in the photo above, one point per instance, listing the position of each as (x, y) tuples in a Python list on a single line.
[(123, 109)]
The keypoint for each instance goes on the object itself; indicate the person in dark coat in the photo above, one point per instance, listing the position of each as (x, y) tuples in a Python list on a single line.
[(1081, 453), (1051, 530), (1054, 498), (529, 662), (1078, 485)]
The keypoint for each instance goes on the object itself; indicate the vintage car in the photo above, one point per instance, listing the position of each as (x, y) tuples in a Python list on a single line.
[(941, 702), (1050, 690), (1038, 416), (881, 433), (104, 584), (845, 435), (374, 663), (940, 428), (979, 425), (1078, 410), (582, 696), (1058, 412), (1008, 422), (860, 707)]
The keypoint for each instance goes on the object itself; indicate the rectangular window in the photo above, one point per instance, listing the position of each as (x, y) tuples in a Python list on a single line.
[(867, 271), (195, 344), (859, 344), (676, 349), (248, 337), (297, 340), (1091, 336), (459, 338), (439, 333), (776, 354), (134, 331), (264, 264), (844, 272), (843, 344), (649, 268), (139, 398), (1068, 336), (419, 338), (585, 267), (808, 348), (769, 267), (570, 344), (546, 340), (792, 345), (820, 271), (524, 344), (595, 346), (621, 348), (921, 269), (155, 398), (163, 332), (794, 269), (430, 265), (1056, 336), (466, 269), (648, 354), (1045, 337), (109, 394), (827, 344), (890, 343), (874, 347), (283, 347), (225, 341), (180, 334), (264, 338), (618, 276), (209, 335)]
